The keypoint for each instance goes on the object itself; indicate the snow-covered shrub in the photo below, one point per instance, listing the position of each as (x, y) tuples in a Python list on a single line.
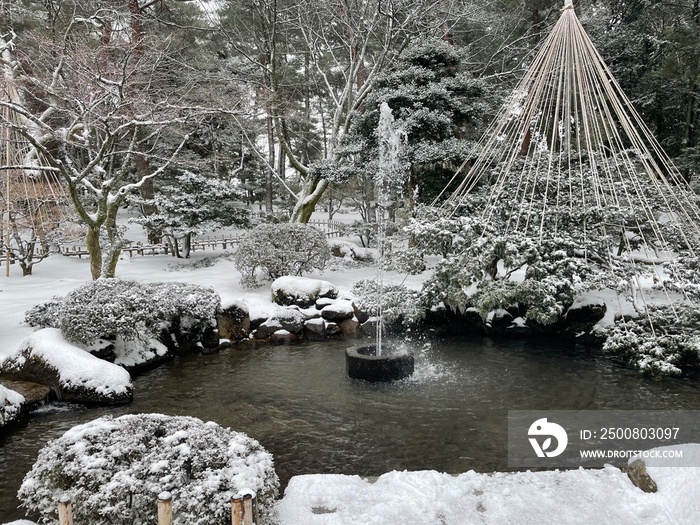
[(281, 249), (671, 347), (114, 468), (400, 305), (10, 405), (108, 308), (499, 271), (46, 314), (684, 275), (140, 320)]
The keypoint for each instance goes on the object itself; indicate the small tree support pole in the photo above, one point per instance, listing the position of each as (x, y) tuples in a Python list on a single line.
[(165, 508), (248, 509), (237, 510), (65, 513)]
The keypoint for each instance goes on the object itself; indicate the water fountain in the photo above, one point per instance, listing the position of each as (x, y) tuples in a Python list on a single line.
[(381, 362)]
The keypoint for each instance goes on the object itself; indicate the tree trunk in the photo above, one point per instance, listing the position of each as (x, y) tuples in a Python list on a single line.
[(92, 241), (187, 245), (115, 242), (270, 161), (311, 192)]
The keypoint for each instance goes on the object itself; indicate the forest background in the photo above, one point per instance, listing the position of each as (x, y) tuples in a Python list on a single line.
[(194, 112)]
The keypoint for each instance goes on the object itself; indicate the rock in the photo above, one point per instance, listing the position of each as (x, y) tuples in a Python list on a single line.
[(283, 337), (581, 316), (369, 327), (497, 321), (315, 329), (301, 291), (350, 327), (349, 250), (11, 406), (233, 321), (445, 321), (332, 329), (267, 328), (210, 338), (257, 318), (323, 302), (72, 373), (361, 315), (338, 311), (290, 319), (309, 313), (519, 327), (637, 472)]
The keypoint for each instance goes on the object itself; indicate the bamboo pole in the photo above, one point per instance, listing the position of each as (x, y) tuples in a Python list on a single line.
[(65, 513), (165, 508)]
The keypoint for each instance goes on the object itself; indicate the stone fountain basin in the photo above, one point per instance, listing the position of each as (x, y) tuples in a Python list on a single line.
[(362, 362)]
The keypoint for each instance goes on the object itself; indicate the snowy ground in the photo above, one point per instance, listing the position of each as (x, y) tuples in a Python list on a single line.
[(545, 498), (591, 497)]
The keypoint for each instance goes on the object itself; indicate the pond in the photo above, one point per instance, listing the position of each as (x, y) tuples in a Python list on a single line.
[(297, 401)]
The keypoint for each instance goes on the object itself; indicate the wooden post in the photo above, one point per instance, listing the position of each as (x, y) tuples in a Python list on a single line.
[(165, 508), (248, 509), (65, 513), (237, 510)]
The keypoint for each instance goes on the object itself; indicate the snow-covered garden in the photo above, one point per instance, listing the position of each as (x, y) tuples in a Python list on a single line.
[(148, 126), (546, 497)]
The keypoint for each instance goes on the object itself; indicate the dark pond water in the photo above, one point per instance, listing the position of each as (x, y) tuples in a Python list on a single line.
[(297, 401)]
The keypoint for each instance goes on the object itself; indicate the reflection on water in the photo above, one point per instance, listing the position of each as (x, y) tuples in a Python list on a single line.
[(299, 403)]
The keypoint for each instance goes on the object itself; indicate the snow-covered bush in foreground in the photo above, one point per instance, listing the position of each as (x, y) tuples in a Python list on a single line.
[(137, 318), (671, 347), (114, 469), (281, 249)]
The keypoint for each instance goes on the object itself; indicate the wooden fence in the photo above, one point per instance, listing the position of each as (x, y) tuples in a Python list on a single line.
[(244, 509), (330, 228)]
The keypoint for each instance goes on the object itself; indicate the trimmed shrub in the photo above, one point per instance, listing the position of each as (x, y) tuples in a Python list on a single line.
[(137, 322), (280, 249), (114, 469), (111, 308)]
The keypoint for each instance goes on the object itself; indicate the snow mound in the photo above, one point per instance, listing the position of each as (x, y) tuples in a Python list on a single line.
[(301, 291), (74, 374)]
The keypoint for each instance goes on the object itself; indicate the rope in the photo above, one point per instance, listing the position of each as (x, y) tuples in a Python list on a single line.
[(569, 130)]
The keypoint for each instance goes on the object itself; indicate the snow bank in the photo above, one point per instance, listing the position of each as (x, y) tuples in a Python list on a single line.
[(679, 487), (10, 405), (542, 498), (76, 375)]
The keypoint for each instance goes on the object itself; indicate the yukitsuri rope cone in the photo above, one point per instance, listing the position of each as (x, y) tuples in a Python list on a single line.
[(33, 199), (569, 151)]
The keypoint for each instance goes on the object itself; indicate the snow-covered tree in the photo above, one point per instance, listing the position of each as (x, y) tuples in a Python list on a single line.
[(437, 104), (105, 109), (190, 204), (500, 251)]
